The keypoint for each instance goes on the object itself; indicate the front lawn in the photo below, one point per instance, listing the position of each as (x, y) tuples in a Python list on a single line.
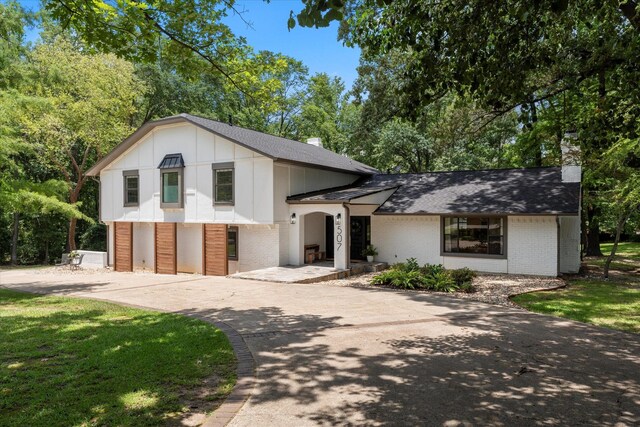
[(66, 361), (609, 304), (613, 303), (627, 256)]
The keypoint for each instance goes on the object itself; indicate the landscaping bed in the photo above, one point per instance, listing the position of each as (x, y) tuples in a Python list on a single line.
[(68, 361), (489, 288)]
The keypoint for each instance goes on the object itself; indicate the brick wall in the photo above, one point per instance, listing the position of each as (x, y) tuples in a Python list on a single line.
[(533, 245), (258, 247)]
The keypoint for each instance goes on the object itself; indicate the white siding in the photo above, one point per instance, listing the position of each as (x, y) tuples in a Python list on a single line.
[(143, 246), (398, 238), (290, 180), (569, 244), (253, 179), (189, 248)]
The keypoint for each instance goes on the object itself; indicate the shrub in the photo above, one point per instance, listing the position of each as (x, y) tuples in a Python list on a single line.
[(399, 278), (463, 275), (440, 281), (409, 275)]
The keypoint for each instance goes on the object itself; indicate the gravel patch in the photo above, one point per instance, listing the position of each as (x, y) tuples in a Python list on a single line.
[(490, 288)]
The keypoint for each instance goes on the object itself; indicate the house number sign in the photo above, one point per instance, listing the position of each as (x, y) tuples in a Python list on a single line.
[(339, 236)]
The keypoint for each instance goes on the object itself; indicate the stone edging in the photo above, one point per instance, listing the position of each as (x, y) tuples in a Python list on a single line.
[(245, 381)]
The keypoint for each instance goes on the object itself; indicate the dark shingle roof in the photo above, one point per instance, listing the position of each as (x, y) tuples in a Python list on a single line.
[(171, 161), (500, 191), (271, 146)]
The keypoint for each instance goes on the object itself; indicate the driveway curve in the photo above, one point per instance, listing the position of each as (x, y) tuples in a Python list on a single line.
[(329, 354)]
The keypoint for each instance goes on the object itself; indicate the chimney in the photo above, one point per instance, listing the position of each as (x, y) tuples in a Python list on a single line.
[(571, 169), (315, 141)]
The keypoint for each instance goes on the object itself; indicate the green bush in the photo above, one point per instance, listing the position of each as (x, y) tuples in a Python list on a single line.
[(399, 278), (463, 275), (409, 275)]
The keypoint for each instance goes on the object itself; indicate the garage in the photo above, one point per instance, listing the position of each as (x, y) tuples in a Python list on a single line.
[(214, 250), (165, 248)]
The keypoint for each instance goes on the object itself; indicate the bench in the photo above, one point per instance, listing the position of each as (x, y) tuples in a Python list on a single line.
[(312, 253)]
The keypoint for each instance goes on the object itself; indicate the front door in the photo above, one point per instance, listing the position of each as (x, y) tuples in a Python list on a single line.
[(360, 235)]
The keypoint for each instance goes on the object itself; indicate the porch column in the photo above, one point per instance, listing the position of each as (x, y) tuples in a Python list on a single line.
[(341, 235), (296, 240)]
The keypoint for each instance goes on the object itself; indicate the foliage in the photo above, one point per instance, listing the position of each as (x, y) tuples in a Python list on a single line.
[(370, 250), (435, 277), (192, 31), (463, 275), (67, 361), (94, 238)]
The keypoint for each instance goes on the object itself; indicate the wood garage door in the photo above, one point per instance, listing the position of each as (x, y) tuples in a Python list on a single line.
[(165, 248), (123, 244), (214, 249)]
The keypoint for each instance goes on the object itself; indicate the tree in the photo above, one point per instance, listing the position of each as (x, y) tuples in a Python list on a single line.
[(195, 37), (85, 106), (321, 113)]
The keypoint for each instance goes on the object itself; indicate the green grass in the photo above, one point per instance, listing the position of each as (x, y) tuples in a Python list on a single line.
[(629, 250), (611, 303), (75, 362), (627, 256)]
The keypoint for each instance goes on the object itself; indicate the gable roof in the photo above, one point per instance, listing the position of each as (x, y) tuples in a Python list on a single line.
[(536, 191), (274, 147)]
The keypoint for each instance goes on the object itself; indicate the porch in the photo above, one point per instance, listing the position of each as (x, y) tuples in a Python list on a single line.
[(309, 273)]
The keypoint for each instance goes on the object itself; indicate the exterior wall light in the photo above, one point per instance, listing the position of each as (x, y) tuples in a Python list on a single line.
[(338, 219), (293, 218)]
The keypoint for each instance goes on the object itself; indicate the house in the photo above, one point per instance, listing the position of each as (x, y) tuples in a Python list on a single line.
[(188, 194)]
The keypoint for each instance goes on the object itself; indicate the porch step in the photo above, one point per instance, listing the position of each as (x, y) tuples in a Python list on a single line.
[(368, 267)]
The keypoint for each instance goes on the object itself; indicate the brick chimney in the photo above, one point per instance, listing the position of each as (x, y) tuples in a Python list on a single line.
[(315, 141), (571, 168)]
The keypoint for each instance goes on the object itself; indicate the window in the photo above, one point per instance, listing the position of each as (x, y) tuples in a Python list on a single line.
[(232, 243), (223, 190), (473, 236), (171, 181), (131, 188)]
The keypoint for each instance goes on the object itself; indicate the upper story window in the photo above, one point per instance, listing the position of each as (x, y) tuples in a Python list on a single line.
[(223, 183), (171, 181), (473, 235), (131, 188)]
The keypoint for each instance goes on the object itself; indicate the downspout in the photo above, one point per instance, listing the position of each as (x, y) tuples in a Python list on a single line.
[(557, 246)]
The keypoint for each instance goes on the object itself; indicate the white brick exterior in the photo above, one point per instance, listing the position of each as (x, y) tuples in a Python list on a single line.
[(532, 244), (258, 247)]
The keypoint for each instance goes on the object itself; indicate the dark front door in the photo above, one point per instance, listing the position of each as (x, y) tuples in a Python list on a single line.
[(360, 235), (329, 236)]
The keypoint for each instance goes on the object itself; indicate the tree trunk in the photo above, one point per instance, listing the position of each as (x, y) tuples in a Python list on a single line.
[(622, 219), (14, 238), (593, 235), (538, 148), (73, 198)]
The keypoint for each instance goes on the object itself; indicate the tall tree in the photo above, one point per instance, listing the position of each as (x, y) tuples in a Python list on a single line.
[(86, 103)]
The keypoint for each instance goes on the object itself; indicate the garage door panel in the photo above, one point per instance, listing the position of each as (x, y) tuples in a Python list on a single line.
[(165, 248), (214, 245), (123, 246)]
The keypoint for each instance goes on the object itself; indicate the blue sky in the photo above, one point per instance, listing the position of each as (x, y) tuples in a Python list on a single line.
[(318, 49)]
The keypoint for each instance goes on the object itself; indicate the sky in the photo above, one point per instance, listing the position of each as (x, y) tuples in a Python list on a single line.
[(318, 49)]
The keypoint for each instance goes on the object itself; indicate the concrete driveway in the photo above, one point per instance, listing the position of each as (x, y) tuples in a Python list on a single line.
[(328, 354)]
